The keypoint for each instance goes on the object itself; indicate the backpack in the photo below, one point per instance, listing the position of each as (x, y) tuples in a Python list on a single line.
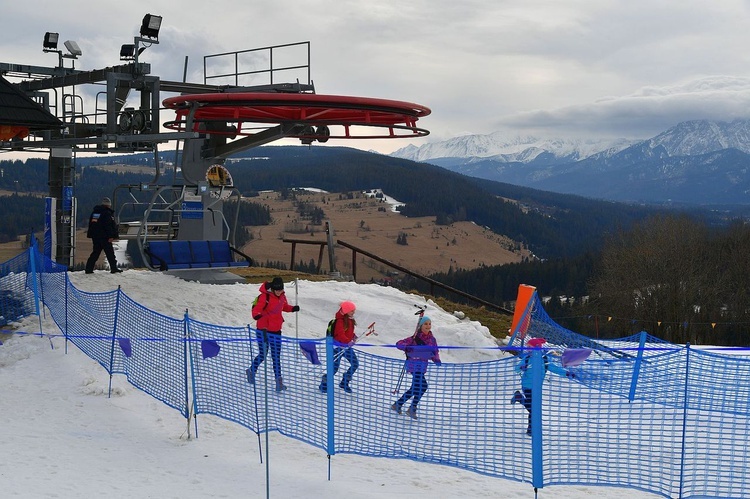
[(255, 302), (329, 329)]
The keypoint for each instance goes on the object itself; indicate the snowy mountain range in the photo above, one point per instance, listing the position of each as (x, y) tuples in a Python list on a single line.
[(695, 162)]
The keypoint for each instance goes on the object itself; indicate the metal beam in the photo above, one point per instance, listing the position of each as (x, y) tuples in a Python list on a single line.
[(255, 140), (201, 88), (106, 139), (189, 88), (83, 77), (21, 70)]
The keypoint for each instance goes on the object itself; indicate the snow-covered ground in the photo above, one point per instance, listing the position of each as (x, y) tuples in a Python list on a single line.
[(393, 203), (62, 436)]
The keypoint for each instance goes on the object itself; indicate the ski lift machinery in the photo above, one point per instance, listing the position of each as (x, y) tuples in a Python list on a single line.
[(229, 112)]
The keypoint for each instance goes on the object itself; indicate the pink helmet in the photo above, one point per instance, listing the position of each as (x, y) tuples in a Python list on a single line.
[(348, 307), (536, 342)]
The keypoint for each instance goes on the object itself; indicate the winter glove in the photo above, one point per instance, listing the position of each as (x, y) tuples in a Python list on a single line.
[(257, 317), (438, 362), (295, 308), (570, 375)]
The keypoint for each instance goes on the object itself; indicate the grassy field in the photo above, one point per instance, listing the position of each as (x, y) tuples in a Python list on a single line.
[(370, 224)]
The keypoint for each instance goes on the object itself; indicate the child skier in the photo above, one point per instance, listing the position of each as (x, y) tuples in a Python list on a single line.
[(419, 348), (344, 338), (523, 368)]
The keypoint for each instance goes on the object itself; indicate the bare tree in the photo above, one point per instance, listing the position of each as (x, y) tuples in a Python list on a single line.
[(659, 273)]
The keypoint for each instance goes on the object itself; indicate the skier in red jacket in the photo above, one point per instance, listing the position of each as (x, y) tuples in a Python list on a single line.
[(267, 312), (344, 338)]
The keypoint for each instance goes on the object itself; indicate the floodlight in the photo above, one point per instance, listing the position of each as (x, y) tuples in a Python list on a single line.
[(150, 26), (73, 48), (127, 52), (50, 41)]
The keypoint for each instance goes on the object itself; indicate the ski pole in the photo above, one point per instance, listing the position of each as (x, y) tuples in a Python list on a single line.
[(296, 315), (370, 330), (420, 313)]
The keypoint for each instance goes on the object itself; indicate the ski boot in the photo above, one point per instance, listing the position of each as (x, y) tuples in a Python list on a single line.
[(344, 385), (517, 398), (280, 387)]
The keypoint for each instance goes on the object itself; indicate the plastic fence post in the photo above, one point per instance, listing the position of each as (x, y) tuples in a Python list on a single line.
[(112, 345), (266, 348), (189, 376), (637, 366), (35, 285), (65, 331), (330, 426), (34, 277), (43, 268), (684, 419), (537, 457), (250, 338), (524, 320)]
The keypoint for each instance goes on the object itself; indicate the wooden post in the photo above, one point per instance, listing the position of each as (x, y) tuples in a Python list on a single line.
[(331, 259), (354, 265), (294, 243), (320, 256), (294, 248)]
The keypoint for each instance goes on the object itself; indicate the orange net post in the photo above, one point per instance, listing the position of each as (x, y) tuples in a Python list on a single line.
[(522, 316)]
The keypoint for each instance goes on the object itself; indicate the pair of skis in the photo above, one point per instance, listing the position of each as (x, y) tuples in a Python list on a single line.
[(369, 331)]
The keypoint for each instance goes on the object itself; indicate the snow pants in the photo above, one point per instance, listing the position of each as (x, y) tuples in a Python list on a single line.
[(266, 340), (417, 389)]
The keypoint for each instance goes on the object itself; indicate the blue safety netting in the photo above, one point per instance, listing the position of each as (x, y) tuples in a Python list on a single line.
[(638, 412), (16, 292)]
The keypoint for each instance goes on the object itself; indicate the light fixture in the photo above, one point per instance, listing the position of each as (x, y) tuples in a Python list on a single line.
[(127, 52), (150, 26), (50, 45), (50, 41), (73, 48)]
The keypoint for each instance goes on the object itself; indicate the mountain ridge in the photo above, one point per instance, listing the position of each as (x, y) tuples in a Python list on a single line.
[(698, 162)]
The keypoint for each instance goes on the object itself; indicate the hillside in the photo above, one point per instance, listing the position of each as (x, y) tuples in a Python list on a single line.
[(550, 225), (369, 223)]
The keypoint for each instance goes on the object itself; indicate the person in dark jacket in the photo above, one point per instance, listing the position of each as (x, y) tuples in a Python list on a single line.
[(267, 312), (102, 231), (344, 338), (419, 348)]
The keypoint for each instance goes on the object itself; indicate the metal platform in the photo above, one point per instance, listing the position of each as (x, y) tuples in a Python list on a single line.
[(208, 276)]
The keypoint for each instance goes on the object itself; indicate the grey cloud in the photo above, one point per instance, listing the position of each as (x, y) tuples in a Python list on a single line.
[(646, 111)]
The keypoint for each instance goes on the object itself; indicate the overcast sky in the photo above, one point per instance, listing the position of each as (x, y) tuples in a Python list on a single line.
[(589, 68)]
